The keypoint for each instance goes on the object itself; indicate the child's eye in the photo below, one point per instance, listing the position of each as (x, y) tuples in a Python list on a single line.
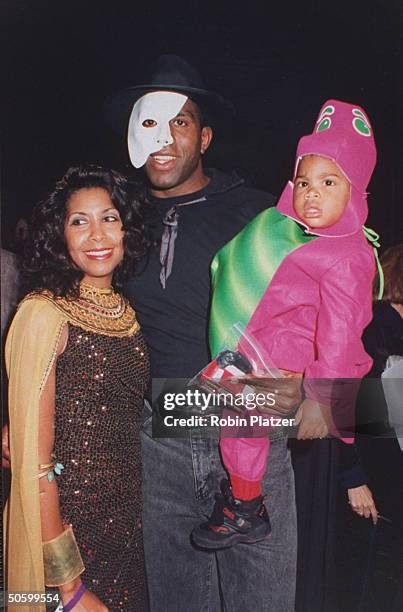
[(147, 123), (302, 184), (329, 182)]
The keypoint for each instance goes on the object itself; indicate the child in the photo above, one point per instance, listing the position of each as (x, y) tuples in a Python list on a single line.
[(308, 269)]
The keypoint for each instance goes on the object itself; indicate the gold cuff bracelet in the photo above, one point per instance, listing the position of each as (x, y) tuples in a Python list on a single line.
[(61, 558)]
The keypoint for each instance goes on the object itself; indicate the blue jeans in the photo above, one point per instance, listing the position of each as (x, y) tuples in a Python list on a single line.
[(181, 476)]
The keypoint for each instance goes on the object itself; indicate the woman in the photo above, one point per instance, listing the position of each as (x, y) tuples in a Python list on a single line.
[(78, 366)]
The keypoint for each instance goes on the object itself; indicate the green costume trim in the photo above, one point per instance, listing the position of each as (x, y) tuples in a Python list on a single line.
[(242, 270), (373, 238)]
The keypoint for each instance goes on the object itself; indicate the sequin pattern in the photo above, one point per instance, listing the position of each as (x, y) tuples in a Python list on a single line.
[(99, 391)]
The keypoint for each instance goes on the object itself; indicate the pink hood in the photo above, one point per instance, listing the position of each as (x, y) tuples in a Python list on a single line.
[(344, 134)]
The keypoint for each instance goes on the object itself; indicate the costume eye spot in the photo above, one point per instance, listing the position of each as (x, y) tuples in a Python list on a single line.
[(358, 113), (324, 124), (328, 110), (361, 126)]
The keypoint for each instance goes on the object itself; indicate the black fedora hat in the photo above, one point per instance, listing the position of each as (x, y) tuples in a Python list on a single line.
[(167, 73)]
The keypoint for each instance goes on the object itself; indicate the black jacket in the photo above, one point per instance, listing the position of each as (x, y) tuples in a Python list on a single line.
[(174, 320), (383, 336)]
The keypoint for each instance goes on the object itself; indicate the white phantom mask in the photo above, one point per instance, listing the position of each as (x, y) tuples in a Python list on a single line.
[(155, 109)]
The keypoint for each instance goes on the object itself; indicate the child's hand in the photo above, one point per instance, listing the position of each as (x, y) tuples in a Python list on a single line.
[(362, 502), (313, 420)]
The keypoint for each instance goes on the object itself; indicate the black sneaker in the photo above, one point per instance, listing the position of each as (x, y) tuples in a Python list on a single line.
[(233, 521)]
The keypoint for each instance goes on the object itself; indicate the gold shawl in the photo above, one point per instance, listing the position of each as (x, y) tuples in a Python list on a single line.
[(30, 352)]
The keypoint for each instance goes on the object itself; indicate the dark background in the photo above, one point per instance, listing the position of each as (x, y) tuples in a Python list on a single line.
[(278, 62)]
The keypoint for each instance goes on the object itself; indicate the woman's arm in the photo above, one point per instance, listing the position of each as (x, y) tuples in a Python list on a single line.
[(51, 519), (353, 477)]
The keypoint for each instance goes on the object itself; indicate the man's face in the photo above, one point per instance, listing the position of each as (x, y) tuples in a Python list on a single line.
[(176, 168), (149, 128)]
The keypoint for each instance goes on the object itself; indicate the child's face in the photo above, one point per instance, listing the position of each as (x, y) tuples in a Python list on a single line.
[(321, 192)]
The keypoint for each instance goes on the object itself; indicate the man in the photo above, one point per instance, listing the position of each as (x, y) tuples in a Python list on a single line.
[(194, 212)]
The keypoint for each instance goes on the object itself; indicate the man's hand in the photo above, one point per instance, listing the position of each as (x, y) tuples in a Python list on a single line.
[(362, 502), (5, 450), (287, 391), (313, 420)]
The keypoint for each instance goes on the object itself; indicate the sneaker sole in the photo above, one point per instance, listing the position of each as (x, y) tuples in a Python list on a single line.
[(236, 538)]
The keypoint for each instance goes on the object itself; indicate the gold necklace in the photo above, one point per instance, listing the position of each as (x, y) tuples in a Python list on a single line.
[(104, 302), (97, 310)]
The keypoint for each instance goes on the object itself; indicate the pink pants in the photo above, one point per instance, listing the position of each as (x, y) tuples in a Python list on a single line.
[(245, 457)]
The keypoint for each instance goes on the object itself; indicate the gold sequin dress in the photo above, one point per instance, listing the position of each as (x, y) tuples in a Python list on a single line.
[(100, 381)]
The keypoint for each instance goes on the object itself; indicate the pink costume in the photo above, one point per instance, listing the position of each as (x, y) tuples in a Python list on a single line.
[(313, 312)]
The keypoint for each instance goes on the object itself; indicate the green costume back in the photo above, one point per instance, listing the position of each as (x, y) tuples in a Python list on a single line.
[(243, 269)]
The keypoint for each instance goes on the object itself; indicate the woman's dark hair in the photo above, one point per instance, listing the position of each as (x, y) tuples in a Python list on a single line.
[(47, 263), (392, 266)]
